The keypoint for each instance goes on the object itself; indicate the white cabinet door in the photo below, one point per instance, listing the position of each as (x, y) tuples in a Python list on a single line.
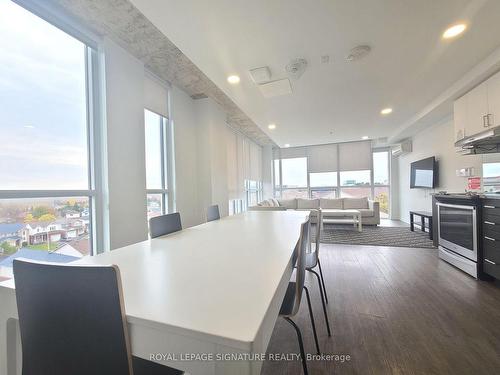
[(477, 109), (494, 100), (460, 117)]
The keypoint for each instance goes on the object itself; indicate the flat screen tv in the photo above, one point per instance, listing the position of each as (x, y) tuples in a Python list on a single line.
[(423, 173)]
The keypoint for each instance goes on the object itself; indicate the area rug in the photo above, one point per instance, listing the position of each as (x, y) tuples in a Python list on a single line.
[(375, 236)]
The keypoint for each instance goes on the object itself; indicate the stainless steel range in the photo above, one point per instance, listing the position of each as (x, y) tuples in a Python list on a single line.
[(458, 234)]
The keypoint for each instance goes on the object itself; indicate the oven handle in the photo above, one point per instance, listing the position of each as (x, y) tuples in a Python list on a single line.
[(472, 208)]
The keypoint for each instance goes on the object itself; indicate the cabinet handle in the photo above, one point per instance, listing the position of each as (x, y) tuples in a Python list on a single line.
[(489, 206), (490, 119), (490, 262), (489, 238), (489, 222), (484, 121)]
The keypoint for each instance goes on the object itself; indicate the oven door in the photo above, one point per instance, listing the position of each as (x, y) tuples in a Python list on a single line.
[(457, 229)]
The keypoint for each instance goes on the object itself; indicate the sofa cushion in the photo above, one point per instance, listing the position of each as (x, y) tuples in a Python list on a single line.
[(307, 203), (289, 204), (325, 203), (355, 203)]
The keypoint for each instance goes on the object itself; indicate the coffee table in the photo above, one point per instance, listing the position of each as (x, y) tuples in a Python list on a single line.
[(339, 217)]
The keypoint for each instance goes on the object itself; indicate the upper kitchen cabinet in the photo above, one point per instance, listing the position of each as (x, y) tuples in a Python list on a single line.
[(460, 117), (478, 110), (494, 100)]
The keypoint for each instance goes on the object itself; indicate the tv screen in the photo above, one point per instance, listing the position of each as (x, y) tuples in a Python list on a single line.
[(423, 173)]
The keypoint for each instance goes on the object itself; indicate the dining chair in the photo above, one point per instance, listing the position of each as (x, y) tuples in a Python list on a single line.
[(293, 296), (312, 261), (213, 213), (165, 224), (72, 321)]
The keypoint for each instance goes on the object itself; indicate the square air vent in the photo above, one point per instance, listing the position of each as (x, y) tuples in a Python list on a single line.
[(261, 75), (276, 88)]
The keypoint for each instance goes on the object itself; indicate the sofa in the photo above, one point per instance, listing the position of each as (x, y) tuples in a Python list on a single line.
[(370, 210)]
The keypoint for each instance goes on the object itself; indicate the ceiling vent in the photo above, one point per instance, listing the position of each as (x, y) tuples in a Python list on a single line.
[(276, 88), (357, 53), (261, 75), (296, 68)]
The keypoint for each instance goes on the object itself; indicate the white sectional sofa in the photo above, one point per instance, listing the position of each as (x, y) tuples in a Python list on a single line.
[(370, 210)]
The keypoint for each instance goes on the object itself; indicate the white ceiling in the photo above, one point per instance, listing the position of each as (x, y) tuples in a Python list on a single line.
[(409, 66)]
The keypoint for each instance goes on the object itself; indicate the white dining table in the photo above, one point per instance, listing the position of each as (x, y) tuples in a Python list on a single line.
[(203, 300)]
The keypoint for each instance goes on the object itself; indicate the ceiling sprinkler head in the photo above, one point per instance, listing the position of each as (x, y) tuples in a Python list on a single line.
[(296, 68)]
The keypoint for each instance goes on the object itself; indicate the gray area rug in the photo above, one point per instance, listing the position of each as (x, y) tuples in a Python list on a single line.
[(374, 236)]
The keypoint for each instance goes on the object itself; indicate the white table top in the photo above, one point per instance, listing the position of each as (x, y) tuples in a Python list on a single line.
[(340, 212), (215, 279)]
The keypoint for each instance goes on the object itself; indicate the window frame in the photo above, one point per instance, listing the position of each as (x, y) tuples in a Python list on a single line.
[(166, 145), (95, 132)]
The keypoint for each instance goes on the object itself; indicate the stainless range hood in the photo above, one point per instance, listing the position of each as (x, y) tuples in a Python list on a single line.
[(485, 142)]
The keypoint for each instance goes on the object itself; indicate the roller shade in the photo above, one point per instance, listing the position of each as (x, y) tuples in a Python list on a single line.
[(155, 95), (255, 162), (355, 156), (322, 159), (293, 152), (232, 164)]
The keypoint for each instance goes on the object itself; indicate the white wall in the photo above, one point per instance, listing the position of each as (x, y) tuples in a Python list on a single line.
[(185, 127), (126, 174), (212, 163), (435, 141)]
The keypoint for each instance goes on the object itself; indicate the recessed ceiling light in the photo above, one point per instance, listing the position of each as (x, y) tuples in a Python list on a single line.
[(364, 137), (271, 126), (386, 111), (287, 144), (29, 126), (233, 80), (454, 30)]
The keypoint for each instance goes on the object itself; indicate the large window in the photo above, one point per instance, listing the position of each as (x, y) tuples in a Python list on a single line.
[(323, 185), (48, 193), (294, 178), (157, 156), (381, 180), (491, 177), (351, 170)]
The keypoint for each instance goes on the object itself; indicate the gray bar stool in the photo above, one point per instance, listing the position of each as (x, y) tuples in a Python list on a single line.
[(72, 321), (165, 224), (293, 296), (213, 213)]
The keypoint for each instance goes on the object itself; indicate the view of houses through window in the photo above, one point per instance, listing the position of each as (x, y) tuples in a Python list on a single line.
[(46, 193)]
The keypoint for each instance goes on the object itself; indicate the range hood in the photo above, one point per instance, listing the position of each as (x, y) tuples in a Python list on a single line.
[(485, 142)]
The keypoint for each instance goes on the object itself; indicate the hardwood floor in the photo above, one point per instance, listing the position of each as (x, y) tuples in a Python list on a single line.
[(395, 311)]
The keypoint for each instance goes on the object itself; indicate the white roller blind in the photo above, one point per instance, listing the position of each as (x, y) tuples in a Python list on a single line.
[(293, 152), (322, 158), (232, 164), (355, 156), (255, 162), (155, 95)]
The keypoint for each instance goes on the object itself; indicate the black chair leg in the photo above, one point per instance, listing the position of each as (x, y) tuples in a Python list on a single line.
[(301, 344), (322, 280), (312, 319), (322, 302)]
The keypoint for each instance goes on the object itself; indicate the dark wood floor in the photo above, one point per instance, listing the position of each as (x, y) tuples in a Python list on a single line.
[(396, 311)]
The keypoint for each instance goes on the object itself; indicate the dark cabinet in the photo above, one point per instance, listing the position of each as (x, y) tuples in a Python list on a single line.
[(490, 223)]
